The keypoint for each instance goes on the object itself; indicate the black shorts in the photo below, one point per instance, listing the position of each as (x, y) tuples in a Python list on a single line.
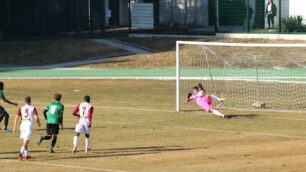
[(52, 129)]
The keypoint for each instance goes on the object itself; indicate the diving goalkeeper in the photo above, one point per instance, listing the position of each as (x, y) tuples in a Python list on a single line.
[(204, 100)]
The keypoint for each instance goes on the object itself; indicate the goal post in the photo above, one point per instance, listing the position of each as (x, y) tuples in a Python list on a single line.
[(251, 76)]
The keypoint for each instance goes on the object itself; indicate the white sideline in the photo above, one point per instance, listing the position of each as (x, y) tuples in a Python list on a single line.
[(62, 165)]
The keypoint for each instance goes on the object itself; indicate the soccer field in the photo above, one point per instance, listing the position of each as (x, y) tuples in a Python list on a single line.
[(136, 128)]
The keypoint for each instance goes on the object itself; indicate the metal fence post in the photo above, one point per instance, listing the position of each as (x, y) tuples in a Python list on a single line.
[(78, 18), (103, 18), (185, 22), (8, 18), (280, 16), (156, 16), (217, 16), (247, 16), (43, 18), (130, 17)]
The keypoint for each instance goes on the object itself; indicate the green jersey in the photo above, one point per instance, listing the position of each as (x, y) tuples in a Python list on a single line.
[(55, 111)]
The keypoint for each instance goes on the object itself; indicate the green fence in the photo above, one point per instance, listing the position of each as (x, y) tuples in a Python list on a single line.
[(202, 17), (51, 17)]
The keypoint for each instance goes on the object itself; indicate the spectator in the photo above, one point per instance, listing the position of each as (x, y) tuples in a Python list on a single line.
[(271, 12)]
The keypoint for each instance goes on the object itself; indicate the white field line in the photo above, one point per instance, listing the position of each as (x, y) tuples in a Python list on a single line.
[(62, 165), (206, 129), (159, 110)]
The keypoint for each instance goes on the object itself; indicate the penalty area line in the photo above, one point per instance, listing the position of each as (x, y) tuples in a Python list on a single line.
[(207, 129), (62, 166)]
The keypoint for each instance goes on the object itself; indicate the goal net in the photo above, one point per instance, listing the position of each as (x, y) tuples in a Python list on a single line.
[(268, 77)]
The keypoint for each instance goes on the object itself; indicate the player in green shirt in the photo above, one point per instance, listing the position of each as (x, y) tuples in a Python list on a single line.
[(3, 113), (54, 117)]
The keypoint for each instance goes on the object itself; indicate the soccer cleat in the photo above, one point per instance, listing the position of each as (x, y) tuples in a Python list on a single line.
[(74, 150), (189, 95), (87, 150), (222, 99), (28, 157), (51, 150), (20, 157), (6, 130), (40, 140)]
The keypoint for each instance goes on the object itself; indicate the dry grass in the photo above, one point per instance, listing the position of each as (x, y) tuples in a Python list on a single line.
[(52, 51), (166, 58), (159, 140)]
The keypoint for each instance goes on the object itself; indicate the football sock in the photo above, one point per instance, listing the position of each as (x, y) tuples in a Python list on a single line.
[(53, 141), (75, 141), (87, 142), (46, 137), (22, 150), (6, 120), (217, 113), (26, 153)]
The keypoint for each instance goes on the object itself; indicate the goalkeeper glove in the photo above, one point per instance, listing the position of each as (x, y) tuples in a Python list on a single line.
[(201, 87), (189, 95)]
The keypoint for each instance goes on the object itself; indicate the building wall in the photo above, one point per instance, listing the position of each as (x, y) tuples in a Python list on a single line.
[(298, 7), (173, 11), (124, 12)]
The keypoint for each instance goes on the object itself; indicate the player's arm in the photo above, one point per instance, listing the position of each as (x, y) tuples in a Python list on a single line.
[(76, 110), (36, 117), (62, 118), (16, 119), (8, 101), (90, 112), (45, 113), (189, 97)]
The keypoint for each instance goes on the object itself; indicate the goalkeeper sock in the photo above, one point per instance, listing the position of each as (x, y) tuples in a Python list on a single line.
[(217, 113)]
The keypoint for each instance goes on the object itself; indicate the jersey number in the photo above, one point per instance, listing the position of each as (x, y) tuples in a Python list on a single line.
[(53, 109)]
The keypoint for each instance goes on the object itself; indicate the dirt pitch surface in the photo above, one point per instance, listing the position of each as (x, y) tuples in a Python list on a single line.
[(135, 128)]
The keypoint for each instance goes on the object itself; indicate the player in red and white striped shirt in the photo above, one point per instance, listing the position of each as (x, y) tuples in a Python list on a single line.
[(84, 113), (27, 114)]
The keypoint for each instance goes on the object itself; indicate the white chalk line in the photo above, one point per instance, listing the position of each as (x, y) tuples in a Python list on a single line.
[(192, 128), (62, 165), (159, 110), (206, 129)]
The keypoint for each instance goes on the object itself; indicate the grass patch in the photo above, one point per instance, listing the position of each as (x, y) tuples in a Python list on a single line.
[(52, 51), (166, 56), (128, 139)]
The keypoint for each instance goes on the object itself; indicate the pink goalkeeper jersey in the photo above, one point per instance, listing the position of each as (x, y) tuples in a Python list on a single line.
[(203, 101)]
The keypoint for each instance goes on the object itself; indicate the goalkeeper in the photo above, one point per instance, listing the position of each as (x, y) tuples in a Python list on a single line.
[(204, 100)]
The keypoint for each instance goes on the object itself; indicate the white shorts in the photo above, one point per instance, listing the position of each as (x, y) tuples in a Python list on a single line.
[(81, 128), (25, 131)]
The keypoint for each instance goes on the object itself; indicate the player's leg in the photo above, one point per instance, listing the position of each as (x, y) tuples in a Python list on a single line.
[(6, 121), (21, 152), (75, 142), (216, 98), (53, 143), (46, 137), (25, 145), (208, 108), (87, 143), (2, 113), (217, 113)]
